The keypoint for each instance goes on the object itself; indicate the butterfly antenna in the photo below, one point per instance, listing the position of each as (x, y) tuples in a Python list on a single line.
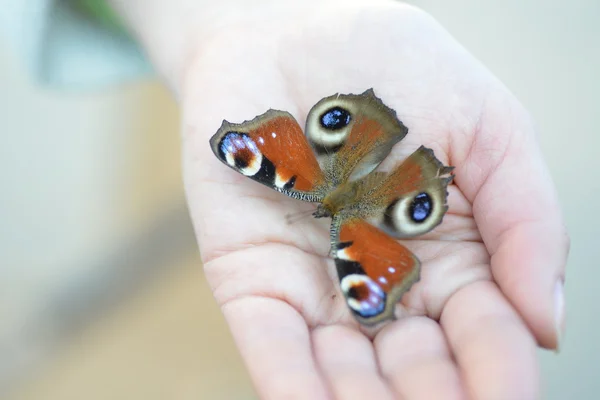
[(295, 217)]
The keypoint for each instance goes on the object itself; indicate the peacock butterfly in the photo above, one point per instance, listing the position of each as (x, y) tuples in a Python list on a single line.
[(347, 137)]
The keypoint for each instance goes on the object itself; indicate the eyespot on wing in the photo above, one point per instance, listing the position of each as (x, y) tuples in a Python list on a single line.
[(374, 270), (279, 140)]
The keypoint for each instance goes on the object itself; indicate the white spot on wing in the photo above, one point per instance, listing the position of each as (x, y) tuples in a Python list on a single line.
[(351, 280), (254, 166), (280, 183), (376, 295), (273, 134), (230, 159), (354, 304), (343, 255)]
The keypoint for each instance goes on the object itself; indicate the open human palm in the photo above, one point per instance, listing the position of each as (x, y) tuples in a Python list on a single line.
[(491, 275)]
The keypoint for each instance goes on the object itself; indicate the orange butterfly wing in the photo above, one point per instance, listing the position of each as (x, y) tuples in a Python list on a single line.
[(374, 270), (271, 149)]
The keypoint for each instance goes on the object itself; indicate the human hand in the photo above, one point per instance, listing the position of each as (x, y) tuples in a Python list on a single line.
[(491, 281)]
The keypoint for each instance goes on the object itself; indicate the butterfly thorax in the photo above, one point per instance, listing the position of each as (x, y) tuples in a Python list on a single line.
[(346, 198)]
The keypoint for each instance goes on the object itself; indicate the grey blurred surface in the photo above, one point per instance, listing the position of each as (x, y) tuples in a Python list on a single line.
[(92, 207), (548, 54)]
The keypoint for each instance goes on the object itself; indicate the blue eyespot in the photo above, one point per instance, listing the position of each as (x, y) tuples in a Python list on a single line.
[(371, 302), (335, 118), (421, 207), (233, 142), (365, 297)]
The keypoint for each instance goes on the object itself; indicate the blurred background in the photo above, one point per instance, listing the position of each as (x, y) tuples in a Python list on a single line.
[(102, 293)]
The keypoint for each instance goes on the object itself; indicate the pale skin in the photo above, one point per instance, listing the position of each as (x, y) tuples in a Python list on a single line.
[(492, 273)]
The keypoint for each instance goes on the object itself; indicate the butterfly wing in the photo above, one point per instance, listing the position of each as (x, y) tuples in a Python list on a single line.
[(352, 133), (374, 269), (271, 149), (413, 197)]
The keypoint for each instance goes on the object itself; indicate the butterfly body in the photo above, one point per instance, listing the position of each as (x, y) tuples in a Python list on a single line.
[(333, 164)]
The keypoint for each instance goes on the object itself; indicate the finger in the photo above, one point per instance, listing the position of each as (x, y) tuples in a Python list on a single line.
[(494, 349), (516, 209), (415, 359), (347, 360), (274, 342)]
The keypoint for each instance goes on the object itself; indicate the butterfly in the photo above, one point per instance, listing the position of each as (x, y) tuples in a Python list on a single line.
[(333, 164)]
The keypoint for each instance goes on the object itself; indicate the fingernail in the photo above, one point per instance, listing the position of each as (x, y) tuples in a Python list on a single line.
[(559, 312)]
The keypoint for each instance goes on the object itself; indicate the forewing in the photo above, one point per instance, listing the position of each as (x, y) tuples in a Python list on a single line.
[(271, 149)]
